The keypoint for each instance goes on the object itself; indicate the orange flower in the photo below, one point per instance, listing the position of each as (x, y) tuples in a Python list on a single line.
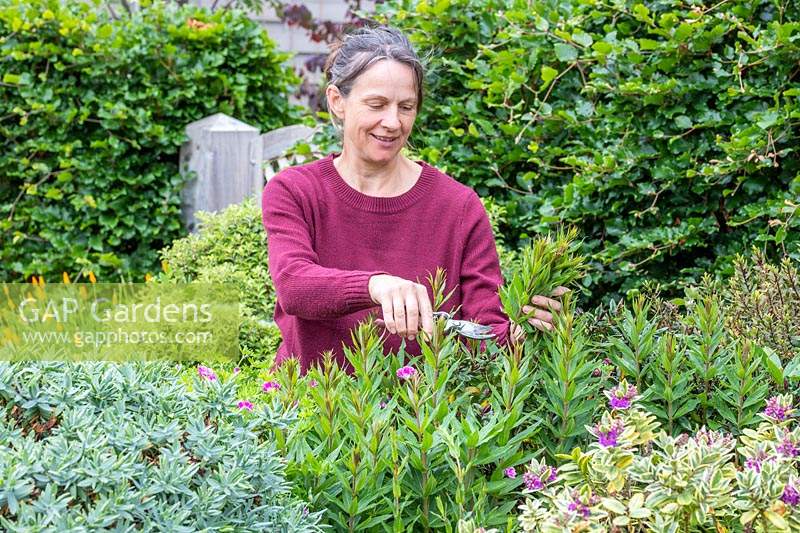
[(91, 277), (65, 277), (198, 25)]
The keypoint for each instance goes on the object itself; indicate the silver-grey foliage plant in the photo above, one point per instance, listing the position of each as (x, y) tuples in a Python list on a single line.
[(122, 447)]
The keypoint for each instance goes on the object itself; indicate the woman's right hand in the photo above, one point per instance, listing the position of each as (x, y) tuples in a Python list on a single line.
[(405, 305)]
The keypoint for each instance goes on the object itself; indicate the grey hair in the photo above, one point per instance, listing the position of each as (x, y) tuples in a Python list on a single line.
[(357, 51)]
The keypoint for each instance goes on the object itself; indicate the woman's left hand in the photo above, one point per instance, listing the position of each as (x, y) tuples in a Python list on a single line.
[(542, 308)]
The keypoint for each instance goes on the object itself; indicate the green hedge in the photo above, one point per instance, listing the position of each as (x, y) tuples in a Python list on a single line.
[(665, 131), (231, 247), (92, 114)]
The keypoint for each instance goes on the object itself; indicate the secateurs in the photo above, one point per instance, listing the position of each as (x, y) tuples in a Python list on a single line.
[(465, 328)]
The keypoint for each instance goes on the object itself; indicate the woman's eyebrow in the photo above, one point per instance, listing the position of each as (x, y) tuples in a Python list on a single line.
[(379, 97)]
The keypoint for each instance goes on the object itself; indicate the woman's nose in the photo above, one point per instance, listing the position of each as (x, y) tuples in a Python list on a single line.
[(391, 119)]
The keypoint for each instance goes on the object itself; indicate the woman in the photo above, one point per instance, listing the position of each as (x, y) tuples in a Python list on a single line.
[(359, 231)]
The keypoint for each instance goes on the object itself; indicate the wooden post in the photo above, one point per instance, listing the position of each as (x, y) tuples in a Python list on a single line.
[(224, 156), (276, 142)]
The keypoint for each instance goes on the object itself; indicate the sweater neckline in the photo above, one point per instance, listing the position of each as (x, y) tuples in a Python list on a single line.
[(376, 204)]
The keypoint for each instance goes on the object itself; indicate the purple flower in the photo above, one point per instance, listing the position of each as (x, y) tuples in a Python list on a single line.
[(607, 361), (313, 383), (607, 436), (619, 403), (787, 448), (776, 409), (621, 396), (596, 373), (537, 476), (406, 372), (510, 472), (382, 405), (206, 373), (790, 495), (712, 438), (532, 481), (755, 462), (236, 370), (270, 386), (244, 404), (582, 507)]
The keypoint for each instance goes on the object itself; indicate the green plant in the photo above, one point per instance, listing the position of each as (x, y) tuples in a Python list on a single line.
[(403, 444), (230, 247), (92, 113), (763, 299), (98, 446)]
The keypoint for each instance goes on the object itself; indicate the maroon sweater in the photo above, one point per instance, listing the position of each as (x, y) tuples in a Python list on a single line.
[(326, 240)]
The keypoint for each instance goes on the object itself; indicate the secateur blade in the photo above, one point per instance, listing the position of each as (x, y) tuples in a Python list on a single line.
[(465, 328)]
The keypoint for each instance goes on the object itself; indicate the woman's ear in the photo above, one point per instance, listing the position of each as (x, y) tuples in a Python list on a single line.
[(335, 101)]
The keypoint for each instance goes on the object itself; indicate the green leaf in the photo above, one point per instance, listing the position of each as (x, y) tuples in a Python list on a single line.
[(613, 505), (13, 79), (582, 38), (565, 52), (776, 519), (602, 47), (548, 74)]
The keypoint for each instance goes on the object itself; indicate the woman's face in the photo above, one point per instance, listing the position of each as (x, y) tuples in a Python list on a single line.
[(379, 112)]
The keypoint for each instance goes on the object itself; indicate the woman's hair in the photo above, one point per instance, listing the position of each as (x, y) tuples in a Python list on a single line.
[(357, 51)]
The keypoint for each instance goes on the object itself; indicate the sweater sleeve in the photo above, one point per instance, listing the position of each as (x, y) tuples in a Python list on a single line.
[(304, 288), (481, 276)]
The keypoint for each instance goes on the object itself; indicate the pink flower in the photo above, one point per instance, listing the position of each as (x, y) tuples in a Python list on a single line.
[(270, 386), (206, 373), (406, 372), (244, 404), (313, 383), (510, 472)]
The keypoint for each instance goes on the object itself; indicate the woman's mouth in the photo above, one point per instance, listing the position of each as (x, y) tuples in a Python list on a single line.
[(386, 141)]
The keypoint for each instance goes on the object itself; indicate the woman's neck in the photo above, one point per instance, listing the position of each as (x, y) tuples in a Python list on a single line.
[(392, 179)]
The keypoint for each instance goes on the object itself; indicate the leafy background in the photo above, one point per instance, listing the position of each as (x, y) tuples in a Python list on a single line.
[(92, 115)]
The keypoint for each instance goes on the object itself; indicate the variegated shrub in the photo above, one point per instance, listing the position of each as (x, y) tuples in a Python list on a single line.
[(636, 477)]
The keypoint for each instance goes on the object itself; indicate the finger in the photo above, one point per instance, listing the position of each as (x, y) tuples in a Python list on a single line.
[(412, 315), (559, 291), (544, 316), (425, 310), (399, 309), (388, 316), (546, 303), (533, 312), (541, 326)]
